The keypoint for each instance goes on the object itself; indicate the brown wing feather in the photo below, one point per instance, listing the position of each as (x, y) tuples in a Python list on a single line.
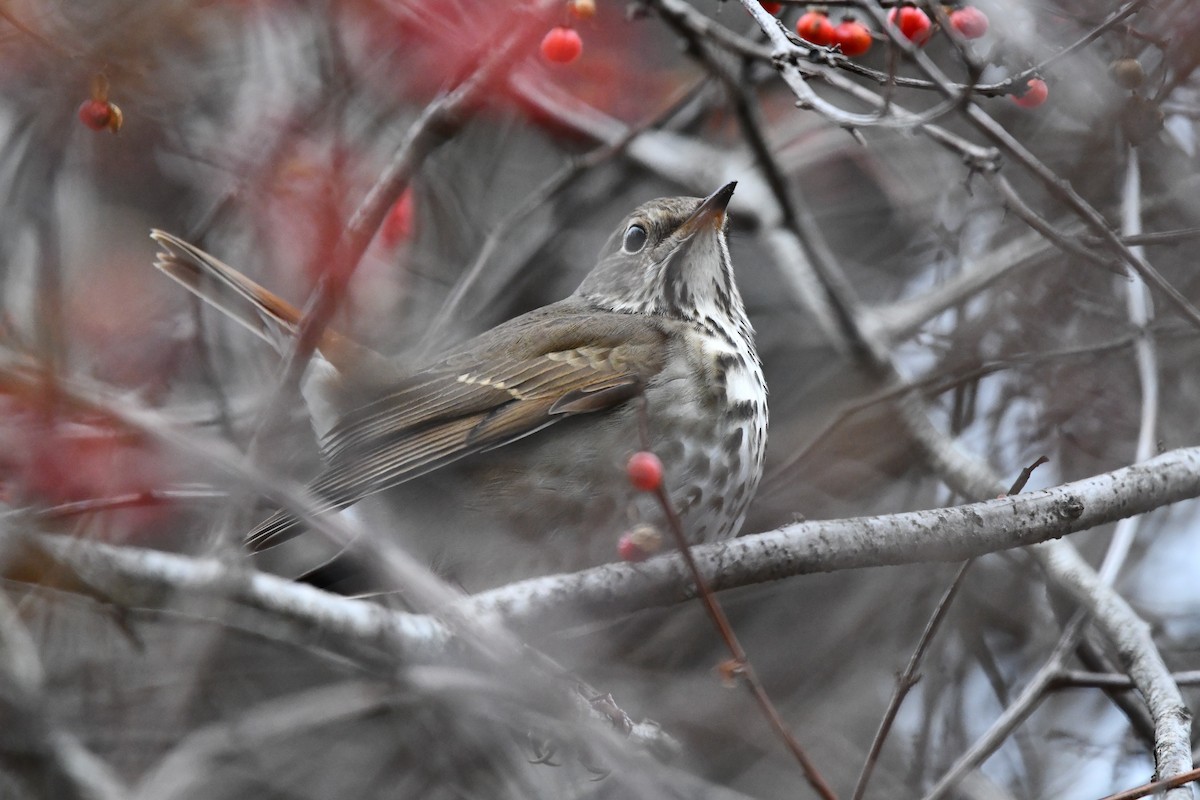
[(454, 389), (469, 414), (479, 399)]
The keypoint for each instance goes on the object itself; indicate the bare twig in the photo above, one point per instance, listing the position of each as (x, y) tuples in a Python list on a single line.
[(906, 680), (1079, 679), (61, 763), (1147, 789), (1058, 188), (150, 497), (1014, 714)]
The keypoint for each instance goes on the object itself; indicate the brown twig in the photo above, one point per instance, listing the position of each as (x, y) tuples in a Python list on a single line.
[(1092, 656), (1023, 478), (438, 121), (740, 665), (7, 15), (152, 497), (1156, 786)]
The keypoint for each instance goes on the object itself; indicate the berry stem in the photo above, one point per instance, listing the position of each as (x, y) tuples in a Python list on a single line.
[(742, 665), (741, 662)]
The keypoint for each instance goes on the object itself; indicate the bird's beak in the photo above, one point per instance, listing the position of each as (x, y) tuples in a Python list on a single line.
[(710, 214)]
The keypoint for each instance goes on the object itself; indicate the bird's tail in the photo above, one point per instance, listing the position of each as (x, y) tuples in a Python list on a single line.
[(262, 312)]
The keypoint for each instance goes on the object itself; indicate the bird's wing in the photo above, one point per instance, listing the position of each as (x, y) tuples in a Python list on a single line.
[(516, 381)]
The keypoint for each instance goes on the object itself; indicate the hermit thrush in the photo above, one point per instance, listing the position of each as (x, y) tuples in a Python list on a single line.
[(506, 454)]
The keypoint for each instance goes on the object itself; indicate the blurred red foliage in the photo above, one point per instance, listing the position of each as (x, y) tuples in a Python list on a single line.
[(49, 461)]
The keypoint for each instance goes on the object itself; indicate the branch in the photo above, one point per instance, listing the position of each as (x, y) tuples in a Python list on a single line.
[(949, 534)]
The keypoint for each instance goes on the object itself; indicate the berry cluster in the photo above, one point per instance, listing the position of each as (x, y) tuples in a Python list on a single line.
[(854, 38)]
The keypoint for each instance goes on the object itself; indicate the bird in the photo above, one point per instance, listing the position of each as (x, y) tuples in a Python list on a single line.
[(504, 456)]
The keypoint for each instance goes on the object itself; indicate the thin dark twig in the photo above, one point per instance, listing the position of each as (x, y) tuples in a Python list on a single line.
[(795, 218), (1156, 786), (939, 383), (437, 123), (1015, 713), (1092, 656), (1083, 679), (906, 680), (1017, 204), (1023, 478), (1156, 238)]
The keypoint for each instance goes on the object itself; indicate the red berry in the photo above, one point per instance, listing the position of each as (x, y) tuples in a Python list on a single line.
[(1035, 94), (912, 22), (969, 21), (771, 8), (645, 471), (815, 27), (640, 543), (583, 9), (95, 114), (561, 45), (852, 36)]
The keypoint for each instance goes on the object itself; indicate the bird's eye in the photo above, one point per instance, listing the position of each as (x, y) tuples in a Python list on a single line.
[(635, 239)]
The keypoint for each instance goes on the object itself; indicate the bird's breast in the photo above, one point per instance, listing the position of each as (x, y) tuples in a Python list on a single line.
[(708, 418)]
